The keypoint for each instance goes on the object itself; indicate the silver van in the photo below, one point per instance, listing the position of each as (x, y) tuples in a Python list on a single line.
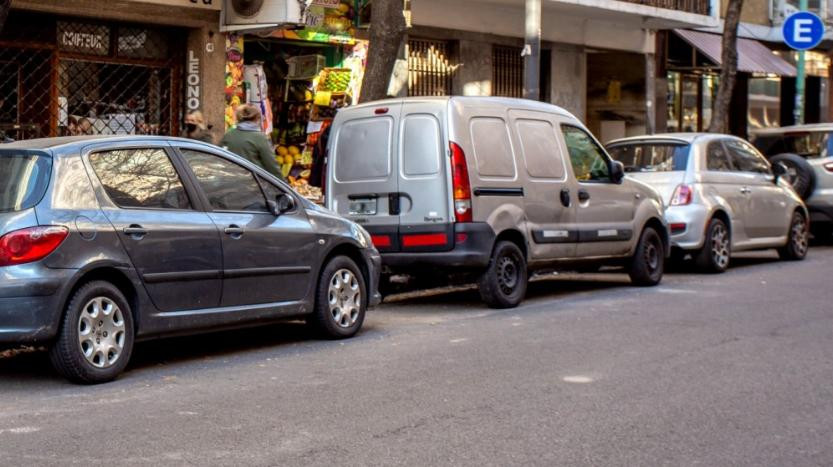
[(496, 187)]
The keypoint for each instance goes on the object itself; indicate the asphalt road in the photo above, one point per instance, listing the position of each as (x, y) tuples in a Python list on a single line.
[(733, 369)]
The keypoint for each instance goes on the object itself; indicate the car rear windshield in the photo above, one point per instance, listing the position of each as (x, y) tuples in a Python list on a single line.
[(810, 145), (651, 157), (24, 176)]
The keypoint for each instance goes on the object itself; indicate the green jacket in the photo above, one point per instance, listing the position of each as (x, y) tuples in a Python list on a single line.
[(253, 146)]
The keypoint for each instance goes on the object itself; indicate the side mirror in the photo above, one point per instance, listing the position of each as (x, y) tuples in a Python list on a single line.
[(283, 203), (617, 172), (779, 169)]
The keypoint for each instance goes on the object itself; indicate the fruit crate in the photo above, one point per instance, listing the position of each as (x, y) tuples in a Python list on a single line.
[(335, 80)]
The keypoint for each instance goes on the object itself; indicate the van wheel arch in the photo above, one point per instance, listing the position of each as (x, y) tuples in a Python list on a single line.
[(514, 236)]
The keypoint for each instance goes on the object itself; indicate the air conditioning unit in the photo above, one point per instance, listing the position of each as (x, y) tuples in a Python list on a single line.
[(238, 15)]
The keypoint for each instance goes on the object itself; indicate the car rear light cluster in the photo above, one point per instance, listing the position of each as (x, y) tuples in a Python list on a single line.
[(828, 166), (682, 195), (677, 228), (417, 240), (460, 184), (29, 245), (381, 241)]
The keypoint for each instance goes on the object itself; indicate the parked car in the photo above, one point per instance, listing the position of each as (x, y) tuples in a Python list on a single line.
[(807, 152), (721, 195), (104, 241), (493, 187)]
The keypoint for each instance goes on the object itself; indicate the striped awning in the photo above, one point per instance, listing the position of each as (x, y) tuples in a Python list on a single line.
[(753, 57)]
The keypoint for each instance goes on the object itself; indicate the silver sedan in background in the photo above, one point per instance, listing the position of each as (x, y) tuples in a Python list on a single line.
[(720, 193)]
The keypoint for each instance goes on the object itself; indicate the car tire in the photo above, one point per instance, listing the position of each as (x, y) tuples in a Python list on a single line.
[(716, 254), (96, 337), (797, 239), (340, 300), (648, 260), (503, 284), (800, 174)]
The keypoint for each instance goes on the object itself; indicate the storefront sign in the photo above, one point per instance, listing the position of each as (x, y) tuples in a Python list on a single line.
[(83, 38), (192, 80), (205, 4)]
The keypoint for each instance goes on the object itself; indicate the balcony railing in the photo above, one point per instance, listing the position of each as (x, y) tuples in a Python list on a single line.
[(700, 7)]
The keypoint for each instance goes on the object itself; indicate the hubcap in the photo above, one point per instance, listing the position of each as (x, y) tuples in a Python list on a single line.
[(101, 332), (799, 236), (508, 274), (345, 298), (720, 246)]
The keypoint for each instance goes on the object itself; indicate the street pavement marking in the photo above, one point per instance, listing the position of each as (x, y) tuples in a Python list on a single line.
[(577, 379), (458, 340), (20, 430)]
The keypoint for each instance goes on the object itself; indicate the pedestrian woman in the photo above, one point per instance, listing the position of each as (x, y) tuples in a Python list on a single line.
[(195, 127), (246, 140)]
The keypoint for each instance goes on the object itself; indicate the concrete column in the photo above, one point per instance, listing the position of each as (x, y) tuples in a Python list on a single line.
[(474, 77), (204, 76), (650, 94), (569, 79)]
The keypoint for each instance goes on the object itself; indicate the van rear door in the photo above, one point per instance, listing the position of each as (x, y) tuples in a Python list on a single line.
[(363, 172), (426, 222)]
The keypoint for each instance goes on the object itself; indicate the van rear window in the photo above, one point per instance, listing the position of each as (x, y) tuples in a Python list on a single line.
[(651, 157), (24, 176), (363, 149)]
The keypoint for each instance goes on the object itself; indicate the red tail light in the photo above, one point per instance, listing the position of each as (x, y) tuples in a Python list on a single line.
[(681, 196), (828, 166), (460, 183), (29, 245), (436, 239), (381, 241)]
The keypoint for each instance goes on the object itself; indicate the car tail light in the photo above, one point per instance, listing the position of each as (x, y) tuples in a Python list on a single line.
[(681, 196), (460, 183), (677, 228), (381, 241), (414, 240), (828, 166), (29, 245)]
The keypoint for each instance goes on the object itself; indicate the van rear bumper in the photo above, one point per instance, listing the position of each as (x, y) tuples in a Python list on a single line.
[(472, 249)]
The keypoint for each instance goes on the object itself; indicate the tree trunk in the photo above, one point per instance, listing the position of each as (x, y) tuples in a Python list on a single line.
[(387, 30), (729, 57), (4, 12)]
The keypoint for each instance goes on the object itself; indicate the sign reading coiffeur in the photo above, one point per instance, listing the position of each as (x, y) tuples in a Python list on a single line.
[(205, 4)]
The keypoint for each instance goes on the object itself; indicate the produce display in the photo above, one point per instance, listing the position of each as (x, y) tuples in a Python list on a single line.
[(335, 79)]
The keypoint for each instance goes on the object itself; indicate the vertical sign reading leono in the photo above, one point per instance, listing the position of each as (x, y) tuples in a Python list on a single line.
[(192, 80)]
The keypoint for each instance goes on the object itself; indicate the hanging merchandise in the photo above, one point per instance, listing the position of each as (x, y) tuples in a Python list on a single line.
[(257, 93), (234, 88)]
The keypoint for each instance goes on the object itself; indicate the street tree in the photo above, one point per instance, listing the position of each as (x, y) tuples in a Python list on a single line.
[(387, 31), (729, 70)]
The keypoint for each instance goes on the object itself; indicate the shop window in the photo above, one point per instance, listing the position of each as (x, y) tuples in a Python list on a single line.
[(140, 178), (541, 152), (764, 102), (430, 69), (492, 149), (586, 157), (228, 186)]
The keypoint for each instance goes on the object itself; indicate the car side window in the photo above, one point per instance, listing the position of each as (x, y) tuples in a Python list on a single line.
[(269, 189), (228, 186), (716, 157), (587, 158), (746, 158), (140, 178)]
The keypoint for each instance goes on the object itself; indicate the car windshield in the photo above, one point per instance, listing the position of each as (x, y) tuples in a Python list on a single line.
[(25, 176), (809, 145), (651, 157)]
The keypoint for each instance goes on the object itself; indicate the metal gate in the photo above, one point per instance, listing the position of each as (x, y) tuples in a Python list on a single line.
[(507, 71), (430, 72), (77, 77)]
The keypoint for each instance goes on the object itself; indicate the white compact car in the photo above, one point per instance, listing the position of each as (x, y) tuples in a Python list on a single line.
[(721, 195)]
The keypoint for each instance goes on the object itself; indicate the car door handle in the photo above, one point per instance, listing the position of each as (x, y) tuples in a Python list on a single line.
[(565, 197), (235, 231), (135, 231), (583, 195), (745, 190)]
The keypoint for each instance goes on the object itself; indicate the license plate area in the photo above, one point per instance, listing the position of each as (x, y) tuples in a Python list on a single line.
[(363, 206)]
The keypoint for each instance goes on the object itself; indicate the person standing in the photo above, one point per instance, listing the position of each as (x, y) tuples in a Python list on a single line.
[(246, 140), (195, 127)]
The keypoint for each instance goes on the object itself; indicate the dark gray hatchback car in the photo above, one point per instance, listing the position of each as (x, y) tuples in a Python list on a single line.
[(106, 240)]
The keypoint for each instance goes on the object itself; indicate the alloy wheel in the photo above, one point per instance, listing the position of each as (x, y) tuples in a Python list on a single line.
[(720, 246), (345, 298), (101, 332), (798, 235)]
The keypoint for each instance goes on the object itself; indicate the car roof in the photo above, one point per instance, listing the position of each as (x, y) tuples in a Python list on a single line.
[(474, 100), (794, 128), (63, 144), (677, 138)]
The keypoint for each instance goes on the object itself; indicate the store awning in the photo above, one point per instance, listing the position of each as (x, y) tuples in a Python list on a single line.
[(753, 57)]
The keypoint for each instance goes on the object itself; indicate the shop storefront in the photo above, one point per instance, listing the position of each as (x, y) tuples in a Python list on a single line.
[(298, 79), (69, 76)]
